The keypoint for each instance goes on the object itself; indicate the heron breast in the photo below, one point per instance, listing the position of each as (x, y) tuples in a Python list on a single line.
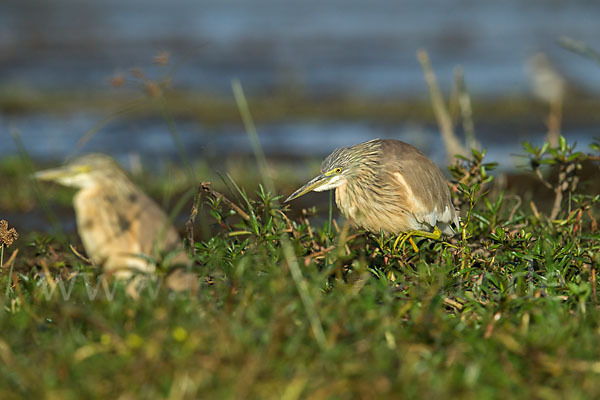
[(343, 202)]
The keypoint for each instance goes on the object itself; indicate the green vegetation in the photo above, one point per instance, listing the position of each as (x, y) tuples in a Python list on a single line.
[(286, 305), (289, 308), (284, 105)]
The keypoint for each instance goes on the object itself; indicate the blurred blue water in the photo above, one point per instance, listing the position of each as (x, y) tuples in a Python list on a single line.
[(334, 45), (52, 137), (348, 46)]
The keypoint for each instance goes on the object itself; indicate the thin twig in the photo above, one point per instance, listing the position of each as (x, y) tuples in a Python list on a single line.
[(594, 226), (541, 178), (12, 257), (205, 187), (79, 255), (593, 278), (189, 225), (452, 303), (515, 208), (534, 209), (558, 196), (307, 223), (321, 253), (335, 226), (289, 224)]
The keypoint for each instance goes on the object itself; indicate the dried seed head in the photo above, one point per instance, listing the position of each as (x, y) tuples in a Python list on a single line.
[(137, 72), (117, 80), (162, 58), (7, 236)]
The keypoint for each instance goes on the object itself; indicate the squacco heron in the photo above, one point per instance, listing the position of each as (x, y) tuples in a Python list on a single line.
[(390, 186), (121, 228)]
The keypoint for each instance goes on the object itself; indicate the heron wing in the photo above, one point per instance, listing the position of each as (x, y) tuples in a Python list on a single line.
[(424, 186), (156, 232), (116, 224)]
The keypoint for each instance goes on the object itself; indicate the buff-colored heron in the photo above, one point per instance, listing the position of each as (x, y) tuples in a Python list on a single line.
[(122, 229), (390, 186)]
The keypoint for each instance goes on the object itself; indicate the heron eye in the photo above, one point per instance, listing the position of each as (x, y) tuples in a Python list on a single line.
[(338, 170)]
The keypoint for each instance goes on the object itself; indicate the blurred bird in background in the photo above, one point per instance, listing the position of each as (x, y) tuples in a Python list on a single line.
[(390, 186), (121, 228)]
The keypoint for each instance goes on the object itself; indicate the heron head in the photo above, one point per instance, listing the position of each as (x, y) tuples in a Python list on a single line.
[(85, 171), (340, 166)]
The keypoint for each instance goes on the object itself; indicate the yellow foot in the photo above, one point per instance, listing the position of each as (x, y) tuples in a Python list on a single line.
[(403, 237)]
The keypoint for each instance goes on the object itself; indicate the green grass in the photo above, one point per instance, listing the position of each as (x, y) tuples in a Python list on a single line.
[(510, 310), (289, 305)]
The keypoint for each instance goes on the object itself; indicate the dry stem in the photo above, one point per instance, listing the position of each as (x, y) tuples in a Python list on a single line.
[(442, 115)]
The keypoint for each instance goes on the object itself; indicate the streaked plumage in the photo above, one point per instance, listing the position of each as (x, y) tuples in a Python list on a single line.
[(387, 185), (119, 225)]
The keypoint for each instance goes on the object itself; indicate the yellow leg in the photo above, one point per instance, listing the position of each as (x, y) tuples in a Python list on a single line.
[(400, 236), (435, 235), (412, 243)]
